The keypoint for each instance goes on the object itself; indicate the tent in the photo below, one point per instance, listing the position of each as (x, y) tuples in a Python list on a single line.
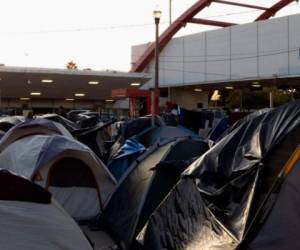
[(139, 124), (225, 196), (68, 169), (149, 136), (32, 127), (98, 139), (31, 219), (145, 184), (132, 128), (9, 121), (69, 125), (281, 227), (136, 145)]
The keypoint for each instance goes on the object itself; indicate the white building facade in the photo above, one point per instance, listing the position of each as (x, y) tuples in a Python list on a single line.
[(255, 51)]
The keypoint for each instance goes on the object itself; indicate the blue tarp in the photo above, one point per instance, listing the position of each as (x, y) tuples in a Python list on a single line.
[(129, 152)]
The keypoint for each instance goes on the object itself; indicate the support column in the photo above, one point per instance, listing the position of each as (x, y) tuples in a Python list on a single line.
[(271, 98)]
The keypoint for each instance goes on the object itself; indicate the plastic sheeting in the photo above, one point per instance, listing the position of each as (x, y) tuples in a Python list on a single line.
[(127, 154), (69, 125), (213, 204), (281, 229), (96, 138)]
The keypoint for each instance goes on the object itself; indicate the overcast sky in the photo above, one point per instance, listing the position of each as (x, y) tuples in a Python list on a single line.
[(96, 34)]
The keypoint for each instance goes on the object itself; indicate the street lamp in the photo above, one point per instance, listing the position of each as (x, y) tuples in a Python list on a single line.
[(155, 93)]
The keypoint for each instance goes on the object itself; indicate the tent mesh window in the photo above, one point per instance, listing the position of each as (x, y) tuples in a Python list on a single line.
[(73, 184)]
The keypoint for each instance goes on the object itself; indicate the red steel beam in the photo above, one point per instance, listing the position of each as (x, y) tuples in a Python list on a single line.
[(167, 35), (188, 16), (241, 4), (272, 10), (210, 22)]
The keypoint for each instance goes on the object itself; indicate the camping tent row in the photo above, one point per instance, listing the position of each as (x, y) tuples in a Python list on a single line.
[(78, 180)]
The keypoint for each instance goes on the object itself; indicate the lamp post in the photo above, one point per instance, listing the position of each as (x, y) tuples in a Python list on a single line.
[(155, 93)]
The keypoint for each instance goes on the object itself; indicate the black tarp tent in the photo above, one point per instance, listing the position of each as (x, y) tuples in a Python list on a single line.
[(145, 184), (31, 219), (70, 170), (69, 125), (98, 139), (281, 227), (32, 127), (139, 124), (221, 197)]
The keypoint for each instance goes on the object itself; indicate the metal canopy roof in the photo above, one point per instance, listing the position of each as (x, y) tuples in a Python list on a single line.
[(19, 82)]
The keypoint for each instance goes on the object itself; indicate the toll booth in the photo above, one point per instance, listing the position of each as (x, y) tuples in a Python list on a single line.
[(139, 100)]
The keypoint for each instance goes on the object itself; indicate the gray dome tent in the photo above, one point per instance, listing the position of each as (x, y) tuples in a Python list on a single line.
[(225, 197), (67, 168), (32, 127), (31, 219), (9, 121)]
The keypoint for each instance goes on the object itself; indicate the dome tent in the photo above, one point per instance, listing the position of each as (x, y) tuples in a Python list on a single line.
[(9, 121), (31, 219), (138, 144), (145, 184), (32, 127), (69, 169), (224, 196)]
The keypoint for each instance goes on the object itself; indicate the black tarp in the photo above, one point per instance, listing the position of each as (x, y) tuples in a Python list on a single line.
[(96, 138), (69, 125), (145, 185), (211, 207), (281, 229)]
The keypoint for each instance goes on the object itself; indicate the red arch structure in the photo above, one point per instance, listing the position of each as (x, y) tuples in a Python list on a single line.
[(189, 17)]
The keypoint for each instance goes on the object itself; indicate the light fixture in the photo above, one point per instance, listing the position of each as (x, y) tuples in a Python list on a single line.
[(35, 93), (216, 96), (109, 100), (229, 87), (135, 84), (93, 82), (198, 90), (46, 80), (256, 85), (157, 14), (24, 98), (70, 99), (79, 94)]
